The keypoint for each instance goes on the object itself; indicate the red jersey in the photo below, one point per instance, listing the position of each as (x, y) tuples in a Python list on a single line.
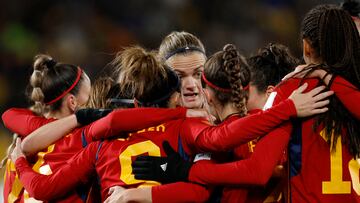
[(24, 122), (271, 192), (112, 159), (316, 173)]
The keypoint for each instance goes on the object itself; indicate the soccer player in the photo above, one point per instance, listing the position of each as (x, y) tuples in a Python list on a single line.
[(267, 67), (57, 90), (185, 54), (324, 148), (189, 135)]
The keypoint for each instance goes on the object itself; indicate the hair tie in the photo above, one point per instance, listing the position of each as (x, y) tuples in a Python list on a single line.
[(79, 73)]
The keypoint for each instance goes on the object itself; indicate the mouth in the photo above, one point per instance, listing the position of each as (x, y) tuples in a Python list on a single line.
[(190, 96)]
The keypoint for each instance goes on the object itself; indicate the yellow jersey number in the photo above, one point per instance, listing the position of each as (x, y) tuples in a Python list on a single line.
[(125, 161)]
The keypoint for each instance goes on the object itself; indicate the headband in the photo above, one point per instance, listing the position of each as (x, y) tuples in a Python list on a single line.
[(79, 73), (183, 50), (217, 87)]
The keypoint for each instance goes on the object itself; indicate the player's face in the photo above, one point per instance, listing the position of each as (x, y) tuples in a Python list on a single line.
[(189, 68)]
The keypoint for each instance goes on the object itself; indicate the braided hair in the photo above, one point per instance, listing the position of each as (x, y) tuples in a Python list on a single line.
[(332, 33), (228, 71)]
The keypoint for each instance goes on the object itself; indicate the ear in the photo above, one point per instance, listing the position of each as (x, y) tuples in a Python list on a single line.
[(269, 90), (208, 95), (306, 48), (71, 102), (310, 56)]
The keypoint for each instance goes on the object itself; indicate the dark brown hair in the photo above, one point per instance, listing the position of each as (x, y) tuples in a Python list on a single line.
[(227, 69), (332, 33), (270, 65)]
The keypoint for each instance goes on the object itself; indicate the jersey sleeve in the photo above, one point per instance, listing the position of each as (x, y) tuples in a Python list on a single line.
[(23, 121), (348, 94), (47, 187), (123, 120), (240, 131), (179, 192), (255, 170)]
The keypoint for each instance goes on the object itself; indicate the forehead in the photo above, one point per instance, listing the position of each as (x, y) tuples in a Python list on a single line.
[(187, 63)]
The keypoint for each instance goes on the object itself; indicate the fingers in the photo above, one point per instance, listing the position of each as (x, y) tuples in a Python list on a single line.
[(319, 111), (168, 149), (323, 95), (296, 71), (321, 104), (302, 88), (289, 75), (111, 190), (316, 91), (141, 171), (18, 142)]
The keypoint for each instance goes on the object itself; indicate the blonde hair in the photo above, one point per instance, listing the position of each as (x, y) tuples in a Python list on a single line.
[(177, 40), (138, 70)]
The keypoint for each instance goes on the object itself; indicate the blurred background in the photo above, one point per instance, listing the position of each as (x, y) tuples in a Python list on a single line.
[(89, 33)]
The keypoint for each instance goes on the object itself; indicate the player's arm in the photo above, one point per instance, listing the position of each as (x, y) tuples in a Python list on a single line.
[(257, 169), (47, 187), (348, 94), (174, 192), (48, 134), (23, 121), (180, 192), (136, 119), (228, 136)]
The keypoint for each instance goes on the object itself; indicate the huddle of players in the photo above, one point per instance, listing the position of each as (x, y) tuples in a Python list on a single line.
[(234, 89)]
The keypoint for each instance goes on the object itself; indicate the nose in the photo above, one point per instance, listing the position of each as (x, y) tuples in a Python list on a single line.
[(188, 83)]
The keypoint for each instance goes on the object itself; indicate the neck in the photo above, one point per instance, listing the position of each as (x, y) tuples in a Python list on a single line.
[(226, 110), (58, 114)]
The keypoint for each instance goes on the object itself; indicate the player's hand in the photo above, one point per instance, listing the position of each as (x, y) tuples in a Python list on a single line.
[(116, 194), (304, 71), (162, 169), (17, 151), (312, 102), (89, 115)]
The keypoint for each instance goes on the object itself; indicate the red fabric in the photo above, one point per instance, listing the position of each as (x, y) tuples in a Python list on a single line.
[(122, 120), (226, 137), (23, 121), (257, 169), (110, 160), (180, 192), (109, 168), (315, 170)]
